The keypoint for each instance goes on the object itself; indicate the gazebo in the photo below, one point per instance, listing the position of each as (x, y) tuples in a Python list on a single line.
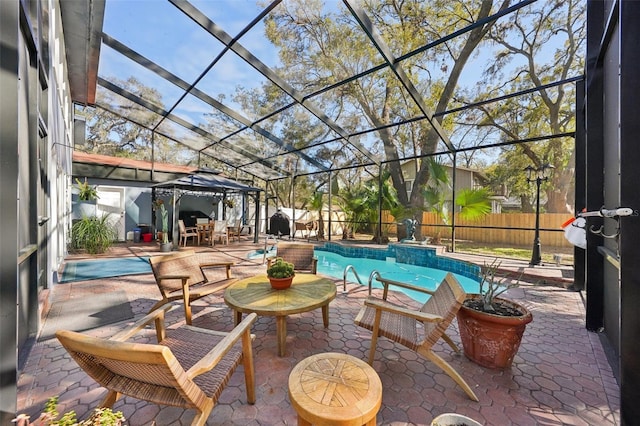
[(208, 182)]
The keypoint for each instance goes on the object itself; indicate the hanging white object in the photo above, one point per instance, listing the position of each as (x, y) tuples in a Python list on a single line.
[(575, 231), (622, 211)]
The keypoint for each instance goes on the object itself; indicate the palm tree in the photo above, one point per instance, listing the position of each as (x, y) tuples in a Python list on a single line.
[(357, 203), (473, 203), (435, 192)]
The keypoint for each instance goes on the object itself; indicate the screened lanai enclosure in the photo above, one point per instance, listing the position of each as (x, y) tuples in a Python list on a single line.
[(479, 123), (382, 110)]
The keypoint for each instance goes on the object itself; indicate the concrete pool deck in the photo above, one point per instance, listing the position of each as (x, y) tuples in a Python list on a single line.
[(560, 376)]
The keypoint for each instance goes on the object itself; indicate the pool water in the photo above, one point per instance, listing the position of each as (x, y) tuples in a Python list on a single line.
[(333, 265), (259, 254)]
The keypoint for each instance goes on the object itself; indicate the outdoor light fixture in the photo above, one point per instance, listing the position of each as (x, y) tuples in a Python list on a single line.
[(537, 175)]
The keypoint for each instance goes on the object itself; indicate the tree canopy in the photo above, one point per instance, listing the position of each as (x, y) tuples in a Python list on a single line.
[(361, 88)]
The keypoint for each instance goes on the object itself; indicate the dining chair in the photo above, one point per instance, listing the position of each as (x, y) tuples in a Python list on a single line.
[(235, 230), (220, 232), (187, 232)]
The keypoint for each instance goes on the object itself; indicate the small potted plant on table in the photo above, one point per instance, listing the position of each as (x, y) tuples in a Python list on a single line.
[(280, 273), (491, 328)]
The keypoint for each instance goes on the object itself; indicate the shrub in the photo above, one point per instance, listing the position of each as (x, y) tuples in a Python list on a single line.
[(93, 234)]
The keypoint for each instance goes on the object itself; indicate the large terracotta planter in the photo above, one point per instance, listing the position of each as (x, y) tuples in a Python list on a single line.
[(491, 340), (280, 283)]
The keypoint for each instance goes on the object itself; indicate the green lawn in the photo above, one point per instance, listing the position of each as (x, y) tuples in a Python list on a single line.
[(514, 252), (523, 253)]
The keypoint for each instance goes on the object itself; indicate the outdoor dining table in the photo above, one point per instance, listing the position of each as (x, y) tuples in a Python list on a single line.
[(204, 231), (307, 292)]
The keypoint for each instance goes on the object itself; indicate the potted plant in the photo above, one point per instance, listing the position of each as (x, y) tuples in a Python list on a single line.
[(280, 273), (165, 245), (86, 192), (85, 205), (229, 203), (491, 328)]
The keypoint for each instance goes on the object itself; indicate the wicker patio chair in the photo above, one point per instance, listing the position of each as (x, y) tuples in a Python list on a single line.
[(188, 368), (300, 254), (181, 276), (417, 330)]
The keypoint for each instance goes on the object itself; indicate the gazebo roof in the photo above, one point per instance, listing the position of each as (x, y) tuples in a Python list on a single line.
[(206, 181)]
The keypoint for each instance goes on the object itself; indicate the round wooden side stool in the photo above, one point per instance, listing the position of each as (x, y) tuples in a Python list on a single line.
[(335, 389)]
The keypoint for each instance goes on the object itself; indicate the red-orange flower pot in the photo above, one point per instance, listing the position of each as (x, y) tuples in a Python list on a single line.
[(280, 283), (491, 340)]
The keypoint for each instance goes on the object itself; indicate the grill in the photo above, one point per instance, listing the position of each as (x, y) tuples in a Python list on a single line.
[(279, 224)]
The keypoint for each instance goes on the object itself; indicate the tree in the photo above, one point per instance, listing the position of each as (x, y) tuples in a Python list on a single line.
[(549, 110), (356, 204), (435, 192), (127, 135), (318, 47), (473, 203)]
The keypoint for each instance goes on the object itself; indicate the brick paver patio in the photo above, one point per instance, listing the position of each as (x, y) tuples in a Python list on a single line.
[(559, 377)]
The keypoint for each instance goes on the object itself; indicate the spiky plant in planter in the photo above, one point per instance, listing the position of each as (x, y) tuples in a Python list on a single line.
[(164, 218), (493, 285), (491, 327), (86, 192)]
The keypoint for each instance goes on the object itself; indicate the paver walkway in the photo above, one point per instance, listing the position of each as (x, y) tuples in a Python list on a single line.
[(559, 377)]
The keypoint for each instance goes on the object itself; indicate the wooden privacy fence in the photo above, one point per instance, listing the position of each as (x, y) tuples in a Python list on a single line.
[(510, 229)]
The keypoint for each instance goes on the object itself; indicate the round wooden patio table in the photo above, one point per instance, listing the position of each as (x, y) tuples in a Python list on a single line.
[(307, 292), (335, 389)]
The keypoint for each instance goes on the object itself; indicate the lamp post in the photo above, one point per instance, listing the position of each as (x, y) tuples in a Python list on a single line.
[(537, 175)]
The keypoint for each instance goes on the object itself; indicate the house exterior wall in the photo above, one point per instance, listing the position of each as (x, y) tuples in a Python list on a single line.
[(465, 178), (9, 24), (137, 200), (35, 162)]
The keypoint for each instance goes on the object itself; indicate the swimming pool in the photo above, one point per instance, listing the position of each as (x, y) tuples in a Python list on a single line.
[(333, 264), (260, 253)]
